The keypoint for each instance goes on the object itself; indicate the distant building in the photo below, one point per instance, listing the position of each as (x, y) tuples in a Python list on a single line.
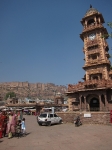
[(29, 101), (59, 99)]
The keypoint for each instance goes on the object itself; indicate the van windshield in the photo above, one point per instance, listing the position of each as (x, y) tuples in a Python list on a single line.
[(43, 115)]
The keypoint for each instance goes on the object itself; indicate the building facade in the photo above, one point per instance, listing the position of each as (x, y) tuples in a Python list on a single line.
[(95, 92)]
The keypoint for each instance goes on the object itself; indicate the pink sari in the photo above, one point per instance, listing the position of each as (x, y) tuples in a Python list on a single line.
[(11, 124)]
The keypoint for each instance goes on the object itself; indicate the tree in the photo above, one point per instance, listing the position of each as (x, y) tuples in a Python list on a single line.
[(108, 35), (10, 94), (109, 24)]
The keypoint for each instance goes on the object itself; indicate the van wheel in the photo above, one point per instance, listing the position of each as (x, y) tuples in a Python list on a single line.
[(40, 124), (49, 123), (60, 122)]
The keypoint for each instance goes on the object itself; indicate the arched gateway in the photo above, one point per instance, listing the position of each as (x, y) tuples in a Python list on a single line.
[(94, 104)]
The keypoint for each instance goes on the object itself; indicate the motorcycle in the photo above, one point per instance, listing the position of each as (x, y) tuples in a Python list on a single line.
[(77, 121)]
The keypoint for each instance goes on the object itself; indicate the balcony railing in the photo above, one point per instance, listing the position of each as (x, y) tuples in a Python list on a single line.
[(93, 26), (94, 51), (96, 61)]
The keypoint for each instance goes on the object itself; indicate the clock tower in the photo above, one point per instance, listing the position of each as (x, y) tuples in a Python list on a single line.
[(95, 92), (97, 64)]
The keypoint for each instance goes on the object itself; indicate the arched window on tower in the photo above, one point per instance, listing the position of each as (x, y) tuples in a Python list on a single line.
[(93, 47), (95, 77), (91, 22), (94, 57)]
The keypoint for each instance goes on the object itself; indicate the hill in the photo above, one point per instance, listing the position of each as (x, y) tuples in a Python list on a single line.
[(32, 90)]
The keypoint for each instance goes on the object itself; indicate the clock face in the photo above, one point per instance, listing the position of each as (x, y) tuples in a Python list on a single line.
[(92, 36)]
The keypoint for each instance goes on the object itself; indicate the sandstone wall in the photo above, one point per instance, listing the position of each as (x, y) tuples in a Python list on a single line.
[(96, 117)]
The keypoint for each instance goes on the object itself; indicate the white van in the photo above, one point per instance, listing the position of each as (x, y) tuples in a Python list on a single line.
[(48, 119)]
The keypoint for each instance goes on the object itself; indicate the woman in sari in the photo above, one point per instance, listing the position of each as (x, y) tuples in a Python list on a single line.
[(4, 118), (11, 125), (18, 116), (1, 125)]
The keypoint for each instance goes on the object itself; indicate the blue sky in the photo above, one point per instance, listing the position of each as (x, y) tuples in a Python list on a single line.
[(39, 39)]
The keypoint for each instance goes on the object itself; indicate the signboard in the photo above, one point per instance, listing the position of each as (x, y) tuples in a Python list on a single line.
[(87, 115)]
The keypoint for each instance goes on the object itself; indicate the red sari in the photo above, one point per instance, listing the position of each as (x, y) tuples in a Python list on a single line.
[(4, 124), (1, 126)]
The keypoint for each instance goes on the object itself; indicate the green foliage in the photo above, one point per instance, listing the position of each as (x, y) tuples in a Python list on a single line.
[(105, 36), (10, 94), (109, 24), (110, 56), (108, 35)]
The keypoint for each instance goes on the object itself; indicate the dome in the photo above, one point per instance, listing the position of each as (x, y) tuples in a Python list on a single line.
[(91, 11)]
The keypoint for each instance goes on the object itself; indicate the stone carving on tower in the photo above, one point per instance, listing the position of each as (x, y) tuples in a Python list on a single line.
[(95, 91)]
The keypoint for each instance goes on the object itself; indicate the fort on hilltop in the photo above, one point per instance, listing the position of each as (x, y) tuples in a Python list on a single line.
[(32, 90)]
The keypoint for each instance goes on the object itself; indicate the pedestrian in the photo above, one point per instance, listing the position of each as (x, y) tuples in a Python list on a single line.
[(9, 125), (18, 116), (1, 125), (4, 117), (18, 128), (21, 115), (23, 127), (13, 123)]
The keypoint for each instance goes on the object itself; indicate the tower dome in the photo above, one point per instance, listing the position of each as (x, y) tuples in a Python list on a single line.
[(91, 11)]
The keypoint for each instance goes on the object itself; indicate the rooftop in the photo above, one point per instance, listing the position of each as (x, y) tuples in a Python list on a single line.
[(91, 11), (90, 85)]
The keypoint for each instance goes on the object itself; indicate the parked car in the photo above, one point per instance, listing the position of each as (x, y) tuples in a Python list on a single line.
[(48, 119)]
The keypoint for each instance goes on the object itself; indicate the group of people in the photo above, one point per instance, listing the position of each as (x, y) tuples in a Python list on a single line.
[(12, 124)]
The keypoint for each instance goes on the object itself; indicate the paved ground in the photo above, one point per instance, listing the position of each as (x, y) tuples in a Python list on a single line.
[(60, 137)]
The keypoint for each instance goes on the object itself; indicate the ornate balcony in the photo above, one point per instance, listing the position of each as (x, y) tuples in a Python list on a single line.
[(92, 61), (96, 62), (105, 61), (91, 27), (94, 51)]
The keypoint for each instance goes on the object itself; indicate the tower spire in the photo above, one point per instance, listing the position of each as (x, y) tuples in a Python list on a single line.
[(90, 6)]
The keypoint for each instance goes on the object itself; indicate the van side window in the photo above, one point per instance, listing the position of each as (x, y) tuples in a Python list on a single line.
[(51, 115), (55, 115)]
